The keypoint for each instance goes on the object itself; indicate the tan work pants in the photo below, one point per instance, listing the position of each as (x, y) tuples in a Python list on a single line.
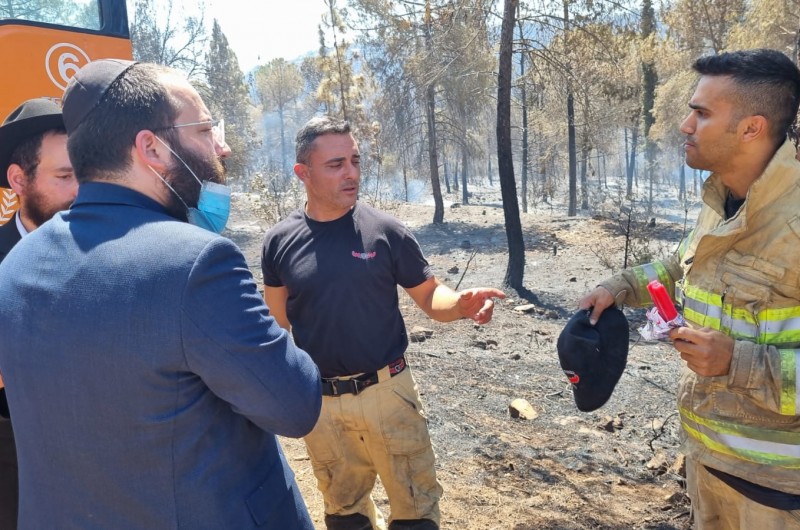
[(717, 506), (381, 431)]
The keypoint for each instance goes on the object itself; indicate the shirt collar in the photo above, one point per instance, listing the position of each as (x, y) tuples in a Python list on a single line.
[(22, 231)]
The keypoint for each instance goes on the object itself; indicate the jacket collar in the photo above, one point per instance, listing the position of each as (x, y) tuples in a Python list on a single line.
[(108, 194), (781, 174)]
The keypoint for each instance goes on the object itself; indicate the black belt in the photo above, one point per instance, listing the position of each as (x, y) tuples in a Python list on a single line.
[(354, 385)]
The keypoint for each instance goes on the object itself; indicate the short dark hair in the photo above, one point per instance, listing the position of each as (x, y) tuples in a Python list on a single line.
[(28, 152), (767, 84), (99, 148), (314, 128)]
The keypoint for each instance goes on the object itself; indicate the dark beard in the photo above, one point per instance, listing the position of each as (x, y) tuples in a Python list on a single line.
[(183, 182), (35, 208)]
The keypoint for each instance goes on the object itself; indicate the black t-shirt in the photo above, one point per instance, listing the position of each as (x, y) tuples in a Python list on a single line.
[(342, 278), (732, 206)]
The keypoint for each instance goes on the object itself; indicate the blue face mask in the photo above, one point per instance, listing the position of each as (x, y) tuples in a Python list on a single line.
[(213, 207), (213, 204)]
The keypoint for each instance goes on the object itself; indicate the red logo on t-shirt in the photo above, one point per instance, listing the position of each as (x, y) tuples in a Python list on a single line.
[(364, 255)]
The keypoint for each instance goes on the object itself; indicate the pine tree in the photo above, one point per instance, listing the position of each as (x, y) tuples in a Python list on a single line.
[(227, 97), (278, 85), (649, 81)]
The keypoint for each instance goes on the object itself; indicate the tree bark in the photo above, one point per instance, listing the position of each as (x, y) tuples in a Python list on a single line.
[(544, 188), (585, 150), (523, 98), (572, 210), (433, 152), (508, 187), (682, 190), (649, 82), (632, 160), (464, 191), (436, 187), (584, 176), (342, 89), (284, 169), (446, 174), (405, 176), (489, 161)]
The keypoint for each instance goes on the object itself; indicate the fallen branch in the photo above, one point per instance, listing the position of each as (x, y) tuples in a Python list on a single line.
[(465, 269), (658, 432)]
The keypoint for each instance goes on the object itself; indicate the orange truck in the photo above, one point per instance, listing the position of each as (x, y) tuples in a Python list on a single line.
[(43, 43)]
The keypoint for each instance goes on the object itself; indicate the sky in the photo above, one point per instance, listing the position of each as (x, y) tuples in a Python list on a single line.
[(261, 30)]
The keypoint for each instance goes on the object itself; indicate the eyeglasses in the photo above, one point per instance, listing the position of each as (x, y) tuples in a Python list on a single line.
[(217, 128)]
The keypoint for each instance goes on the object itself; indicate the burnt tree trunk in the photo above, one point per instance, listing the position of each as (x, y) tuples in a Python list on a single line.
[(433, 153), (464, 191), (508, 186), (523, 98), (632, 160), (572, 209)]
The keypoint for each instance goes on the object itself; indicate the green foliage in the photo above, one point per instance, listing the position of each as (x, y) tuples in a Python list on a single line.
[(649, 75), (767, 24), (408, 72), (703, 26), (278, 85), (226, 95), (275, 196)]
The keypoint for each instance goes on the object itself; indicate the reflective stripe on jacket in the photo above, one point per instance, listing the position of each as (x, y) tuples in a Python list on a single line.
[(741, 277)]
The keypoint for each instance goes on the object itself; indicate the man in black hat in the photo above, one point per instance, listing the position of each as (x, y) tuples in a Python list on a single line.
[(35, 164)]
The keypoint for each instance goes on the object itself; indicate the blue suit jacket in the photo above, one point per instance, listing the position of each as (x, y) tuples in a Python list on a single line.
[(146, 378)]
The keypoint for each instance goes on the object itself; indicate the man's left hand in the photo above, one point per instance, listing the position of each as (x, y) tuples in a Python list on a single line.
[(478, 303), (707, 352)]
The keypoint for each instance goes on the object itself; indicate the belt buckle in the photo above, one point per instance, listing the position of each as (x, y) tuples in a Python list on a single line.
[(340, 387), (348, 386), (331, 384), (334, 388)]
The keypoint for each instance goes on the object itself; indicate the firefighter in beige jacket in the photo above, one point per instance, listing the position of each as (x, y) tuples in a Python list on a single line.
[(737, 276)]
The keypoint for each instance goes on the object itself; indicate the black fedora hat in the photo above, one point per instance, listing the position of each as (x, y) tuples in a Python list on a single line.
[(33, 117), (594, 357)]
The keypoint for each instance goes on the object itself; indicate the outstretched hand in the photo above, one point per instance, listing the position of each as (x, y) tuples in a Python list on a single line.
[(478, 303), (599, 300)]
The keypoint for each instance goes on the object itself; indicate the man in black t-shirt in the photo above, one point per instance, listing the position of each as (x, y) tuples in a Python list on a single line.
[(331, 273)]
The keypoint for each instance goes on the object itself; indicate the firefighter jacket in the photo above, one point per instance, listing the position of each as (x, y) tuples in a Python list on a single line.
[(741, 276)]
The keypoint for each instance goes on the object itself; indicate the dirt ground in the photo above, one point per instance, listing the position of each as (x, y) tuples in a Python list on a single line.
[(614, 468)]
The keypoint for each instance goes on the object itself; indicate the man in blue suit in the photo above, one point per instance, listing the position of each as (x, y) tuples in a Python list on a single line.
[(145, 375)]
